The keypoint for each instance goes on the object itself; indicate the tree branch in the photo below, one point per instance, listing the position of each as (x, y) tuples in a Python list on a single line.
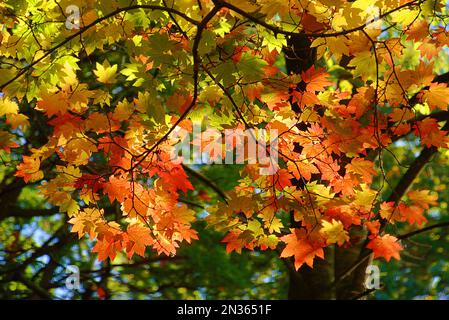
[(207, 182), (412, 172), (26, 213), (416, 232), (36, 289)]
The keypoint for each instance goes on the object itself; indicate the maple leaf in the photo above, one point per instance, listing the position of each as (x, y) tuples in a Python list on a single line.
[(234, 242), (373, 227), (303, 169), (386, 246), (116, 188), (361, 101), (362, 167), (282, 179), (334, 232), (78, 151), (105, 72), (437, 96), (179, 102), (304, 99), (164, 244), (186, 233), (7, 106), (345, 215), (389, 212), (270, 241), (115, 148), (176, 178), (85, 222), (423, 198), (315, 79), (17, 120), (123, 110), (29, 169), (412, 214), (417, 30), (299, 246), (6, 142), (53, 103), (345, 185), (139, 238), (93, 181), (107, 248), (430, 133), (310, 23)]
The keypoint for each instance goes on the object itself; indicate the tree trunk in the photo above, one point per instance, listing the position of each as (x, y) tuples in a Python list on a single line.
[(323, 280)]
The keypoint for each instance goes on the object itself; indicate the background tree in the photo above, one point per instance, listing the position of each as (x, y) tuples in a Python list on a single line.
[(94, 105)]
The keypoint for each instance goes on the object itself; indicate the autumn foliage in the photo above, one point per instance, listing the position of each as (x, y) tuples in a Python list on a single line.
[(221, 63)]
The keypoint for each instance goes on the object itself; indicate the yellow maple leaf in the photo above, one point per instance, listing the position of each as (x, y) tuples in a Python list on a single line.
[(334, 232), (389, 212), (105, 73), (85, 222), (365, 197), (8, 106)]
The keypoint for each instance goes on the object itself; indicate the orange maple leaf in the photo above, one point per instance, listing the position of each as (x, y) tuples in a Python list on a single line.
[(6, 142), (412, 214), (138, 239), (302, 169), (437, 96), (117, 188), (301, 247), (283, 179), (316, 79), (54, 103), (423, 198), (385, 246), (234, 242), (305, 98), (362, 167), (430, 133), (29, 169), (107, 248)]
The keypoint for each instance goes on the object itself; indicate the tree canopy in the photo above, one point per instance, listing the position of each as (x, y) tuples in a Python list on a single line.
[(224, 148)]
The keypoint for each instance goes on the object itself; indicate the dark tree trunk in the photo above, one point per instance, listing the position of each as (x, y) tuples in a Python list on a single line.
[(319, 282)]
